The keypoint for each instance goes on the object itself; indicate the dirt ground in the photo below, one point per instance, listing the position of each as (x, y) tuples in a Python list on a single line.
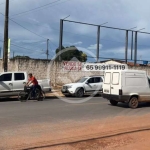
[(93, 135), (134, 141)]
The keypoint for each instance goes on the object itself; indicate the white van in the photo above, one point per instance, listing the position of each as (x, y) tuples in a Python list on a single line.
[(128, 86)]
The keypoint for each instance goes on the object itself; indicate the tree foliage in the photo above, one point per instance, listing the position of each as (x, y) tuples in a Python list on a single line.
[(71, 52), (21, 57)]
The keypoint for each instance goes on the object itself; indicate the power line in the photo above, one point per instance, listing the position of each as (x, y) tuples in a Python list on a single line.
[(31, 31), (20, 46), (24, 27), (4, 2), (25, 48), (24, 41), (37, 8), (40, 7), (28, 29)]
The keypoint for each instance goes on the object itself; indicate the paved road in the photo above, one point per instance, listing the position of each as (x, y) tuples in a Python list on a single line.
[(21, 119), (55, 110)]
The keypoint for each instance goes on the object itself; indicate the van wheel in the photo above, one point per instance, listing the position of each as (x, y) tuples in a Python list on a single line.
[(133, 103), (79, 93), (113, 102)]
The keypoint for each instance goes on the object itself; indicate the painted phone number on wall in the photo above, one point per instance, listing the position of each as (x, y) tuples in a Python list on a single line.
[(104, 67)]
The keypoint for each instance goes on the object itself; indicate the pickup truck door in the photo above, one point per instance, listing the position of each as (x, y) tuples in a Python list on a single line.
[(91, 85), (45, 85), (6, 84), (18, 81)]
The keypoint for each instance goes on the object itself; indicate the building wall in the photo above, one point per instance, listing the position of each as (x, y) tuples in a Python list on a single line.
[(43, 69), (112, 62)]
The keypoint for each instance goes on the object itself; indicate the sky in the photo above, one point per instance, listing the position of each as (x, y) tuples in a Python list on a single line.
[(44, 23)]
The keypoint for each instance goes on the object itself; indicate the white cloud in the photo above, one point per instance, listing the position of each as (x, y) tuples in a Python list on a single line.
[(94, 47), (46, 21), (34, 20), (76, 43)]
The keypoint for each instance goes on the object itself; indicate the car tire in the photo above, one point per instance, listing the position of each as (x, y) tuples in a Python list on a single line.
[(113, 102), (133, 103), (79, 93), (67, 95)]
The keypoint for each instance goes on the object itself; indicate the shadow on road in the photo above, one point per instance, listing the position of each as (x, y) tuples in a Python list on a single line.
[(8, 99), (125, 105), (16, 99)]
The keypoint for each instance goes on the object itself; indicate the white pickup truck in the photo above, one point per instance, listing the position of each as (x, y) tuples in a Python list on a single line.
[(11, 83)]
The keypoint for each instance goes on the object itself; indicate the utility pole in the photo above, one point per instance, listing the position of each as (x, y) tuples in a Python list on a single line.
[(132, 42), (98, 42), (135, 49), (60, 38), (0, 52), (5, 52), (132, 46), (135, 46), (47, 52), (13, 54), (126, 47)]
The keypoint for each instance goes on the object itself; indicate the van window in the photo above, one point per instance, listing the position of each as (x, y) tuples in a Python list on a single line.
[(115, 78), (107, 78), (133, 81), (19, 76)]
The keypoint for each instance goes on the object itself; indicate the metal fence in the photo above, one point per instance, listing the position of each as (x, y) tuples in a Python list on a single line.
[(129, 41)]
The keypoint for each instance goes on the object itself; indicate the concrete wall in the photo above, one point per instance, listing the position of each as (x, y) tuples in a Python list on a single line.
[(43, 69), (37, 67)]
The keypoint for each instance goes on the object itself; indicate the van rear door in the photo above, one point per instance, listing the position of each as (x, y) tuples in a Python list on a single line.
[(115, 83), (107, 83)]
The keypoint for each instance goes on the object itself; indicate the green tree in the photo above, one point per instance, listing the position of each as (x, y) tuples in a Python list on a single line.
[(71, 52), (21, 57)]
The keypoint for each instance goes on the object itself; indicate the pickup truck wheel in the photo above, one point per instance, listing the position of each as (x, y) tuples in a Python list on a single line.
[(133, 103), (113, 102), (79, 93)]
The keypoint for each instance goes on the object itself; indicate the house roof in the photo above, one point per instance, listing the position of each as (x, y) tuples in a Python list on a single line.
[(116, 60), (122, 62)]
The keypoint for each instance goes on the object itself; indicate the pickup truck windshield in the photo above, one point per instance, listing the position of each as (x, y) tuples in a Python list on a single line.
[(82, 80)]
